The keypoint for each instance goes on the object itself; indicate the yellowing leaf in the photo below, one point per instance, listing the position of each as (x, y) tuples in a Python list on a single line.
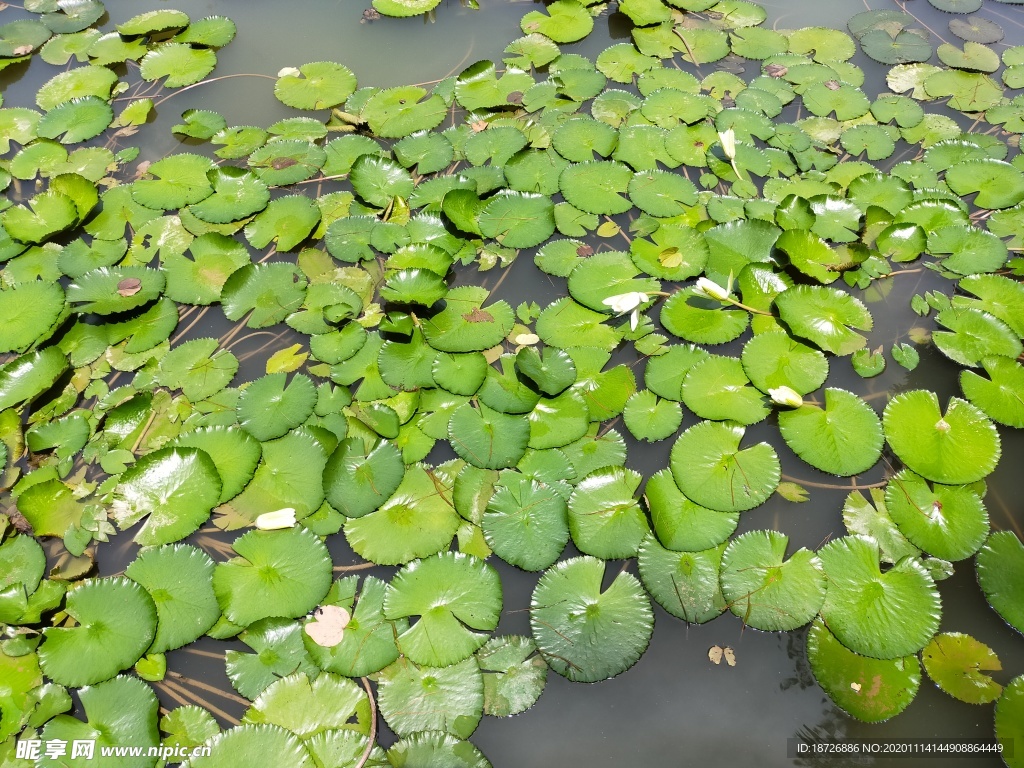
[(286, 360)]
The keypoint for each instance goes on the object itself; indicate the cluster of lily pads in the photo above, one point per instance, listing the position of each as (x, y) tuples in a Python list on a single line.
[(727, 230)]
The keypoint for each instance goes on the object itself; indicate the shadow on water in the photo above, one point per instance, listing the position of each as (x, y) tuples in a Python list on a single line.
[(675, 707)]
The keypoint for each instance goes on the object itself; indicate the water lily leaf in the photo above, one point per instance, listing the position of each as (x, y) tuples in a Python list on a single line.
[(526, 522), (514, 676), (237, 194), (307, 707), (179, 578), (998, 296), (211, 32), (396, 112), (287, 161), (772, 360), (235, 453), (847, 101), (429, 152), (661, 193), (517, 219), (972, 250), (153, 21), (197, 368), (957, 663), (279, 653), (319, 85), (76, 120), (756, 43), (488, 438), (736, 244), (1000, 565), (1008, 716), (465, 324), (881, 615), (679, 523), (22, 37), (176, 487), (108, 290), (457, 601), (577, 140), (976, 29), (974, 57), (551, 370), (686, 584), (27, 313), (277, 573), (872, 690), (28, 376), (1001, 395), (673, 253), (903, 47), (566, 21), (946, 521), (435, 747), (417, 520), (825, 316), (717, 388), (650, 418), (998, 184), (414, 698), (378, 180), (245, 744), (46, 215), (843, 438), (767, 591), (597, 187), (266, 293), (404, 7), (180, 63), (120, 711), (585, 633), (605, 519), (180, 180), (271, 406), (960, 446), (695, 318), (974, 334), (199, 279), (116, 621), (710, 468)]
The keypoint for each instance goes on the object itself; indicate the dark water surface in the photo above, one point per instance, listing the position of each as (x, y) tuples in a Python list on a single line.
[(674, 708)]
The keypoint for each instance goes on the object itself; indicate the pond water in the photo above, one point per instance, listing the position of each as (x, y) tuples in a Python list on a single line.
[(674, 707)]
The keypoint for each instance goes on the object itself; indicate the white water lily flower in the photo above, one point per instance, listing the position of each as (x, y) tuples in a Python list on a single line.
[(289, 71), (785, 396), (625, 302), (273, 521), (526, 339), (728, 140), (709, 289)]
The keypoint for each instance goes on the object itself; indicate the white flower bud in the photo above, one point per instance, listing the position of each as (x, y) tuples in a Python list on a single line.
[(289, 71), (728, 140), (709, 289), (272, 521), (625, 302), (785, 396), (526, 339)]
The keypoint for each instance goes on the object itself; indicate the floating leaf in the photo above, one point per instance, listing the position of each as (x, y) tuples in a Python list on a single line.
[(946, 521), (513, 675), (1000, 565), (843, 438), (181, 64), (825, 316), (271, 406), (319, 85), (881, 615), (605, 519), (414, 698), (960, 446), (585, 633), (526, 523), (957, 663), (717, 388), (27, 313)]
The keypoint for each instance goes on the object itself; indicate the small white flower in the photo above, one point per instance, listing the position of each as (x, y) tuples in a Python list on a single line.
[(289, 71), (526, 339), (272, 521), (625, 302), (709, 289), (728, 140), (785, 396)]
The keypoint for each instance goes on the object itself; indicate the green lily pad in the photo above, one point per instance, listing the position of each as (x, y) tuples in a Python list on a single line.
[(825, 316), (22, 37), (179, 579), (717, 388), (405, 7), (237, 194), (1009, 709), (1001, 395), (767, 591), (357, 480), (434, 747), (176, 487), (599, 186), (701, 320), (27, 313), (711, 469), (46, 215), (319, 85), (414, 698), (1000, 565), (595, 281), (648, 417), (686, 584), (585, 633), (946, 521), (116, 621), (680, 524), (960, 446), (396, 112), (772, 360), (957, 663), (998, 184), (265, 293), (514, 675), (526, 523), (285, 221), (605, 519), (76, 120), (973, 335), (279, 653), (277, 573), (881, 615), (180, 63), (517, 219), (872, 690), (307, 707), (465, 324), (843, 438), (672, 253), (456, 600), (197, 368), (271, 406), (245, 744), (565, 21), (488, 438)]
